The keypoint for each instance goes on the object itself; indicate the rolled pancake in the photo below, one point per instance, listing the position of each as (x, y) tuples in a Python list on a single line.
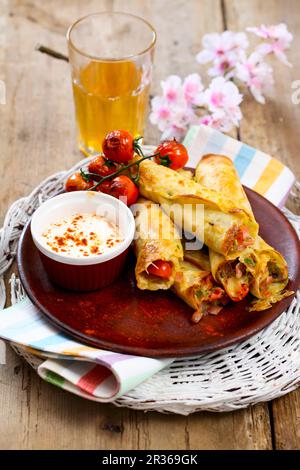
[(197, 288), (259, 268), (232, 274), (269, 274), (222, 222), (218, 172), (156, 239)]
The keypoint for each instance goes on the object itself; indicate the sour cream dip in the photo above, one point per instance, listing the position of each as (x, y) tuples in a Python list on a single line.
[(82, 235)]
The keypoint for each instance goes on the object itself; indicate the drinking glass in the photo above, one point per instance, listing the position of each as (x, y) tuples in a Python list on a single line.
[(111, 57)]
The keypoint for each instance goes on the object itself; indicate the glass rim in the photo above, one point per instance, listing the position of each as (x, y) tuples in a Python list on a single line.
[(105, 59)]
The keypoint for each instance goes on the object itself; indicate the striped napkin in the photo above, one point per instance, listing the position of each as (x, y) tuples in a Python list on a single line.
[(103, 375), (90, 372)]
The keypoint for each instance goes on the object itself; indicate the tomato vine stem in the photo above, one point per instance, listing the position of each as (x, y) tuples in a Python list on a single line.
[(87, 176)]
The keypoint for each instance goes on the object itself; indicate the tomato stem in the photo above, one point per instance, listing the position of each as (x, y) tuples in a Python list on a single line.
[(87, 176), (118, 172)]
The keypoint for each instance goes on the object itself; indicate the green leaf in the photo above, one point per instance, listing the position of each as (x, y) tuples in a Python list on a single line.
[(249, 262), (85, 176), (137, 147), (199, 293), (109, 163), (164, 160)]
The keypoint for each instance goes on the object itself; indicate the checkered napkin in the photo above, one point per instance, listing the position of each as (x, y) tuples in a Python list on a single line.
[(103, 375)]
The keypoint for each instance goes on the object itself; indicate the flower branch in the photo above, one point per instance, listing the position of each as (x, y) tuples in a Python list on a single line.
[(232, 68)]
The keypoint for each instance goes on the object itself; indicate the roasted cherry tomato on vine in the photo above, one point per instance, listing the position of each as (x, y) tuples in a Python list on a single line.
[(76, 182), (104, 187), (118, 146), (161, 269), (123, 186), (102, 167), (171, 154)]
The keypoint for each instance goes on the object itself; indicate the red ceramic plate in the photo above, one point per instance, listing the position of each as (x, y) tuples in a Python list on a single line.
[(124, 319)]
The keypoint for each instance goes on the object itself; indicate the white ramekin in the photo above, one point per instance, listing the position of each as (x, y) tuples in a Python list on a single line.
[(91, 272)]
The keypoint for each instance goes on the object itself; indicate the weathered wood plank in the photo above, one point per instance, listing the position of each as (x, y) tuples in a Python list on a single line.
[(286, 415), (274, 128)]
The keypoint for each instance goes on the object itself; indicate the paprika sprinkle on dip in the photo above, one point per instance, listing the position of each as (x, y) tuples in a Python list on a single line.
[(82, 235)]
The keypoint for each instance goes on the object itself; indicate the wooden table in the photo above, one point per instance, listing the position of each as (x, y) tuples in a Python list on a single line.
[(38, 138)]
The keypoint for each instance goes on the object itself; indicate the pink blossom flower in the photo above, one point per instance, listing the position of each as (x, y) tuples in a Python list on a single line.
[(224, 69), (175, 110), (223, 96), (206, 120), (173, 117), (256, 74), (218, 120), (160, 112), (280, 40), (179, 123), (193, 89), (172, 89), (223, 50), (278, 31)]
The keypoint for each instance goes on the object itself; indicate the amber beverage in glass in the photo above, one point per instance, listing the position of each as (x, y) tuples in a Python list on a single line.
[(111, 57)]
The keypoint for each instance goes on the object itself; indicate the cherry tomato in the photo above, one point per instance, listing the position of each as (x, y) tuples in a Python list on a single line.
[(104, 187), (118, 146), (101, 167), (241, 293), (216, 294), (161, 269), (76, 182), (172, 154), (243, 237), (123, 186)]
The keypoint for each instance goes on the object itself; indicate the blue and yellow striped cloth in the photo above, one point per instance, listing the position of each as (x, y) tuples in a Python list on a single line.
[(256, 169)]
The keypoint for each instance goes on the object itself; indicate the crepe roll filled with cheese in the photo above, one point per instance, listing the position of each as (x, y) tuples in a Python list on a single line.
[(259, 268), (197, 288), (222, 226), (232, 274), (218, 172), (157, 247), (269, 274)]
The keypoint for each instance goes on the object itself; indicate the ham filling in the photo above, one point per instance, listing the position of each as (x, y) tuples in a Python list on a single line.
[(212, 299), (272, 275), (235, 280), (237, 239)]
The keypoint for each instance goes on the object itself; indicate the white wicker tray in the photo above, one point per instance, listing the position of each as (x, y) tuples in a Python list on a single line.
[(259, 369)]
